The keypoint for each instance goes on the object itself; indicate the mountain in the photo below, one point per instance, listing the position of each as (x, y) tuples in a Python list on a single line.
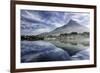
[(71, 26)]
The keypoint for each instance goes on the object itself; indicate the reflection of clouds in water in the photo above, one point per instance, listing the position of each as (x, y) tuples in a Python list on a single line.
[(42, 51), (81, 55), (38, 51)]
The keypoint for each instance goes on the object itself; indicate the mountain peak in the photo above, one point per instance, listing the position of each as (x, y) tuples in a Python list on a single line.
[(72, 22), (71, 26)]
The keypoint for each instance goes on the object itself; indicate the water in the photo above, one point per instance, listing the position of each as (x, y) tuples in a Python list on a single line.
[(44, 51)]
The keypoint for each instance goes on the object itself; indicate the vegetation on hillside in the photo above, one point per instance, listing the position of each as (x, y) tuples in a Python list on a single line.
[(61, 36)]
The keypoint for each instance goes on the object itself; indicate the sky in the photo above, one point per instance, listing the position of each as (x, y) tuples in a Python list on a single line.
[(35, 22)]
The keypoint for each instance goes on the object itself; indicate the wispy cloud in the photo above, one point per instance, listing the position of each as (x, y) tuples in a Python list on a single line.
[(36, 22)]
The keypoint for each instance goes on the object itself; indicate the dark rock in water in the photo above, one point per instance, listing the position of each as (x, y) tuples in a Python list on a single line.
[(81, 55), (39, 51)]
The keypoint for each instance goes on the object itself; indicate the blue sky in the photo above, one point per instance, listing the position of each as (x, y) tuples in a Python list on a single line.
[(35, 22)]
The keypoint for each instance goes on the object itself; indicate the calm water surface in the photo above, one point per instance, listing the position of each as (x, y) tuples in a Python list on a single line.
[(44, 51)]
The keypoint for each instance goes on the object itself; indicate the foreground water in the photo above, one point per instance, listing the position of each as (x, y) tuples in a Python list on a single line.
[(44, 51)]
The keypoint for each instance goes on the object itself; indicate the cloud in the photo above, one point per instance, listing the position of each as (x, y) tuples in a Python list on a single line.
[(36, 22), (81, 18)]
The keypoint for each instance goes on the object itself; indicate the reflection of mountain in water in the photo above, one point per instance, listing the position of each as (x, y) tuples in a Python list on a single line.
[(40, 51)]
